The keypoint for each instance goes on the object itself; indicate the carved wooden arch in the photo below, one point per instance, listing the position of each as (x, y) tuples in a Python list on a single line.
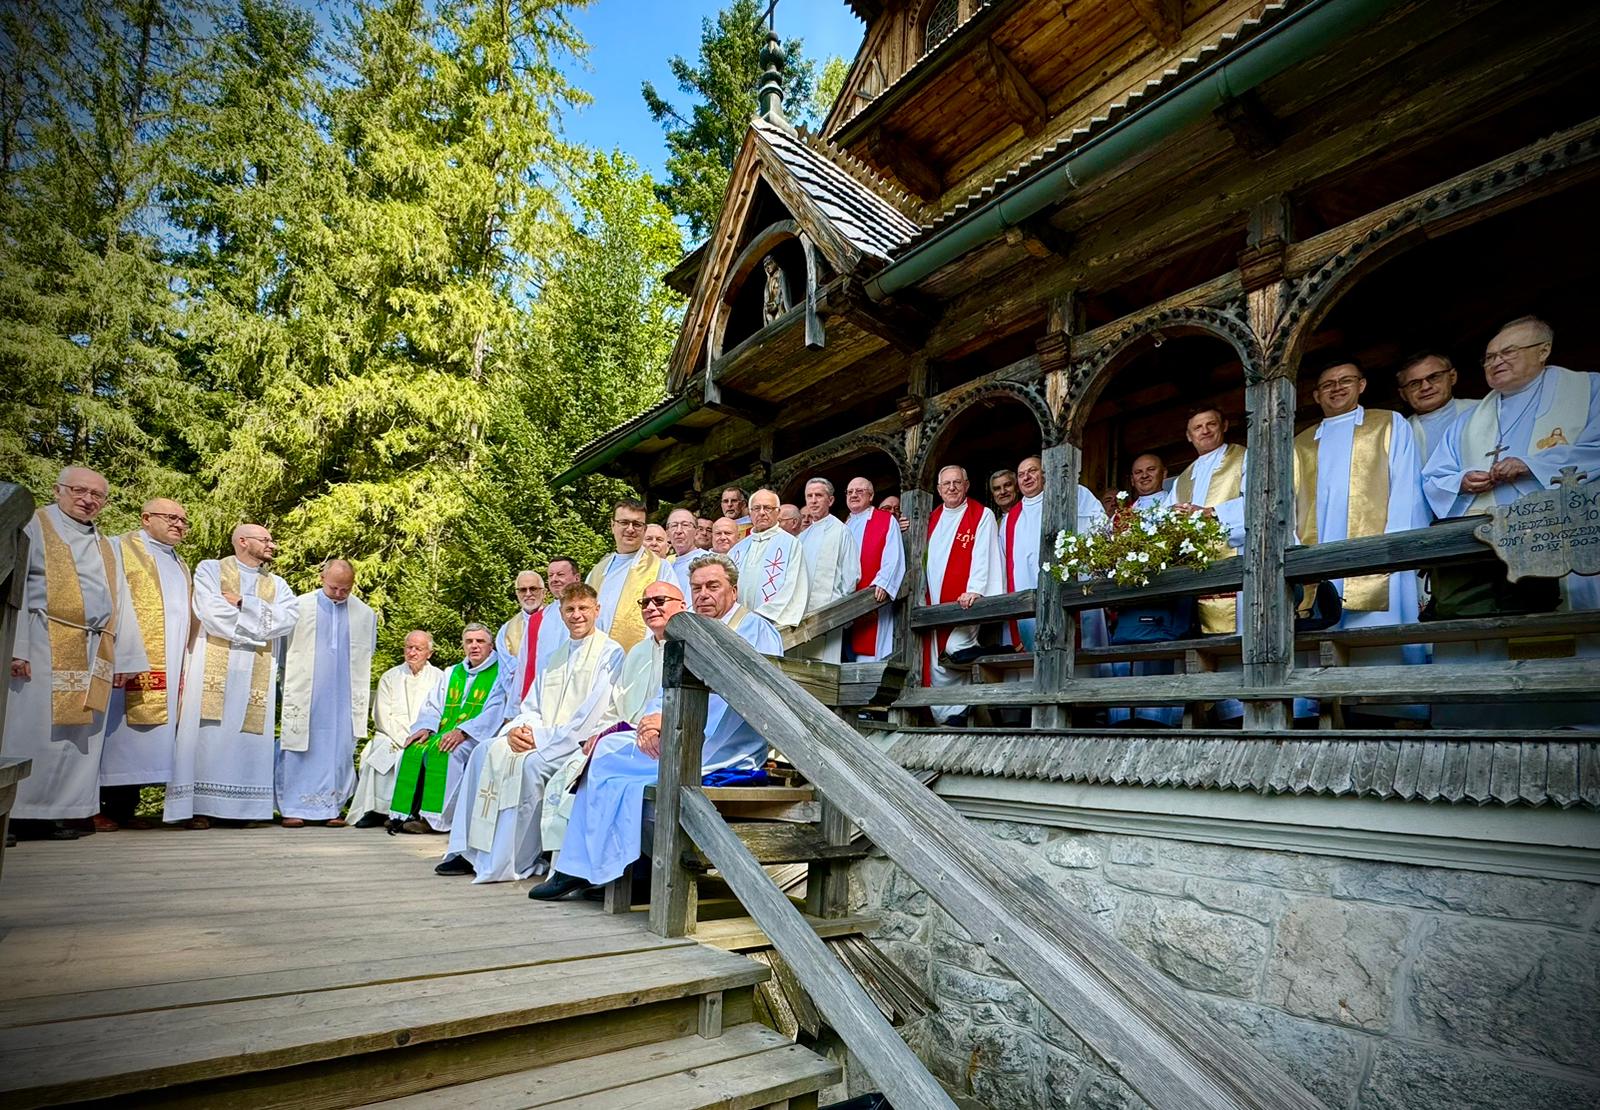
[(838, 451), (746, 261), (1030, 397), (1090, 375), (1486, 189)]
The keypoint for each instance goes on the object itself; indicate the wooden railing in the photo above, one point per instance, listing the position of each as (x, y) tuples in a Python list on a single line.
[(16, 509), (1450, 543), (834, 615), (1173, 1055)]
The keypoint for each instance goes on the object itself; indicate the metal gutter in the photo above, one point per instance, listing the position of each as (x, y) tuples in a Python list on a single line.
[(1300, 37), (655, 422)]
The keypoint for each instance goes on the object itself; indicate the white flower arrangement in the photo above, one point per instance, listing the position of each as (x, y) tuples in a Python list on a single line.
[(1135, 545)]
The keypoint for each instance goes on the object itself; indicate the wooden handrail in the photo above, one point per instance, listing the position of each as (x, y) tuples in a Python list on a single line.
[(836, 614), (1172, 1054)]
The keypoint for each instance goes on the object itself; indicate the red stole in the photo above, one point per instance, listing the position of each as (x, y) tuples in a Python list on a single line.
[(1013, 515), (957, 569), (864, 632), (530, 644)]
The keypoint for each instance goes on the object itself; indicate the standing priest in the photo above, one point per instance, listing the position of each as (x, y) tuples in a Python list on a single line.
[(327, 683), (464, 708), (620, 578), (1020, 531), (833, 564), (772, 567), (401, 691), (142, 725), (496, 836), (881, 554), (963, 565), (224, 761), (64, 660), (605, 833)]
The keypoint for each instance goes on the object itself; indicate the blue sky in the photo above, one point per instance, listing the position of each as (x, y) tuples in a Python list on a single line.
[(631, 40)]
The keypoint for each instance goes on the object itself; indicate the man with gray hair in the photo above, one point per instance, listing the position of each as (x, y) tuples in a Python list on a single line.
[(64, 660), (963, 565), (833, 564), (465, 708), (401, 691), (772, 568)]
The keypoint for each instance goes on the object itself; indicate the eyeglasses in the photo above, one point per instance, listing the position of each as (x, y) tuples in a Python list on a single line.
[(255, 539), (530, 589), (1505, 353), (88, 493), (1338, 383), (952, 483), (1434, 378), (655, 602), (171, 518), (628, 525)]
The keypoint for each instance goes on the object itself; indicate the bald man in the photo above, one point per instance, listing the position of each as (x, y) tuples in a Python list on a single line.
[(327, 682), (224, 762), (142, 722), (64, 659), (1147, 477)]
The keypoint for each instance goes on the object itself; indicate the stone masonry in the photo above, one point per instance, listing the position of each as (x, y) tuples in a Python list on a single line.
[(1378, 986)]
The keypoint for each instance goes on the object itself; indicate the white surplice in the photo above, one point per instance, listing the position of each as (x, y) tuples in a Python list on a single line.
[(772, 576), (396, 704), (514, 665), (64, 782), (1428, 429), (498, 829), (607, 830), (833, 565), (218, 769), (986, 577), (483, 726), (140, 755), (680, 569), (327, 686), (891, 573)]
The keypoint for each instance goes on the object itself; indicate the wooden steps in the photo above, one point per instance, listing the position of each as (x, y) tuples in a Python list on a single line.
[(748, 1066)]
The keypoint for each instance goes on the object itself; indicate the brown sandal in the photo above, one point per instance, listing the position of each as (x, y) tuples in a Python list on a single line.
[(334, 823), (293, 823)]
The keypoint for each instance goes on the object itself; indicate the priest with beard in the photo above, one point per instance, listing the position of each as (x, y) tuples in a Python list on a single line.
[(496, 837)]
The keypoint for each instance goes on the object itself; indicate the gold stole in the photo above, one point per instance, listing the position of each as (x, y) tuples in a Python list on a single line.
[(627, 623), (145, 695), (514, 634), (78, 690), (1218, 613), (214, 683), (1369, 498)]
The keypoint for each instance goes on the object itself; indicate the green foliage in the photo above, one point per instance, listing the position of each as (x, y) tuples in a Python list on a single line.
[(721, 85), (829, 86)]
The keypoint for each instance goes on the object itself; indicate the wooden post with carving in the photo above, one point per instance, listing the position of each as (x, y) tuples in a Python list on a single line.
[(1052, 652), (917, 505)]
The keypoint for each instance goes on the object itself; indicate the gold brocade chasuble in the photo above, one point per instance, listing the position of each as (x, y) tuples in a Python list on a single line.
[(627, 623), (1369, 498), (214, 683), (79, 687), (145, 696), (1218, 612)]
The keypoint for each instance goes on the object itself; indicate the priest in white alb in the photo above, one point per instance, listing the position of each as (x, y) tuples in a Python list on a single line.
[(833, 565), (606, 830), (1427, 381), (772, 567), (527, 640), (327, 687), (881, 555), (142, 721), (620, 578), (497, 835), (682, 529), (401, 691), (64, 660), (963, 565), (1019, 550), (225, 757), (464, 709)]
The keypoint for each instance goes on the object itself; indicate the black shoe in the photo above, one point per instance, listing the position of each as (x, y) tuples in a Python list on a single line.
[(455, 865), (557, 886), (371, 820)]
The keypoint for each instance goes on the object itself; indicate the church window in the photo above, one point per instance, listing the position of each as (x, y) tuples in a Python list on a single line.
[(942, 19)]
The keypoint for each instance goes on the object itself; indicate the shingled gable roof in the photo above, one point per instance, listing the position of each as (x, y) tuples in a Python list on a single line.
[(853, 217)]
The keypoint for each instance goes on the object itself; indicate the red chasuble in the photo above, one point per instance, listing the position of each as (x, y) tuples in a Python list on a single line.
[(1013, 515), (864, 632), (957, 569)]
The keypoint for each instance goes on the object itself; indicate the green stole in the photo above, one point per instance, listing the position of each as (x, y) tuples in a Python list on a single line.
[(461, 703)]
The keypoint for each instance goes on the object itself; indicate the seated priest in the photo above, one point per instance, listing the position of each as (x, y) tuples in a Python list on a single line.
[(497, 834), (1538, 420), (401, 691), (463, 709), (606, 830)]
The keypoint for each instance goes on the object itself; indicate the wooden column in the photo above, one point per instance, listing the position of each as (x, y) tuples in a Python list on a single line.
[(1052, 654), (917, 505), (683, 731), (1267, 628)]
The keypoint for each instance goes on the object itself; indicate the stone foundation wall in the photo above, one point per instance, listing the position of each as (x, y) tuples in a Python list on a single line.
[(1378, 986)]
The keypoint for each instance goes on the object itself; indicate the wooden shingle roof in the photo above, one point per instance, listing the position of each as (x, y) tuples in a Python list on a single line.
[(1549, 769)]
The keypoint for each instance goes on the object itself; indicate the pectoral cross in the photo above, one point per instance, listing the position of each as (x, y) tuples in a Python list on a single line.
[(1494, 456), (488, 793)]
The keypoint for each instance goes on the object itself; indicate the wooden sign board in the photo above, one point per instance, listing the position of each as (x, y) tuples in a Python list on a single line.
[(1550, 533)]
